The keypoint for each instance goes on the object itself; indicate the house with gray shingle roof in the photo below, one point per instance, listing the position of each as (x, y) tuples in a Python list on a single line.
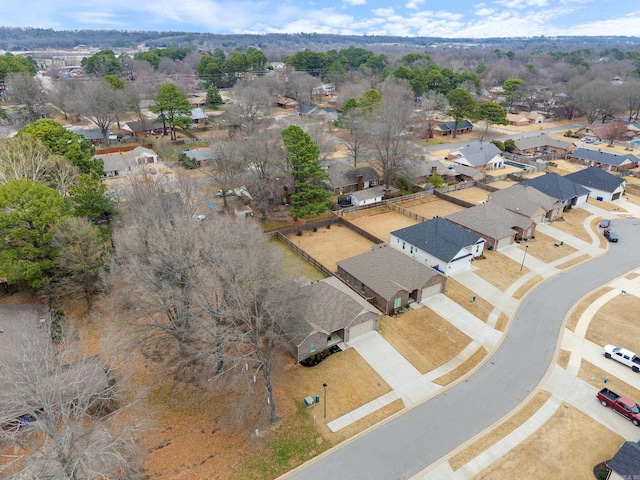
[(625, 465), (498, 226), (530, 202), (603, 185), (562, 188), (440, 244), (124, 163), (333, 314), (542, 144), (608, 161), (343, 178), (447, 128), (478, 155), (389, 278), (367, 196)]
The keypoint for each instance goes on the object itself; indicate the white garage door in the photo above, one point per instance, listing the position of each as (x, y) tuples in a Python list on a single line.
[(430, 291), (504, 242), (360, 329)]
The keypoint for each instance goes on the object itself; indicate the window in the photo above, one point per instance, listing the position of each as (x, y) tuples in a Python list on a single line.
[(313, 346), (362, 287), (348, 277), (411, 249), (397, 303), (403, 245), (355, 283)]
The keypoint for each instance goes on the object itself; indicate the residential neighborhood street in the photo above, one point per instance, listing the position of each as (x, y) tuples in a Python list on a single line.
[(411, 443)]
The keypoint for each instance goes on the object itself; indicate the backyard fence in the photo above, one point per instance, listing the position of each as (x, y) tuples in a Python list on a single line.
[(405, 212), (304, 255)]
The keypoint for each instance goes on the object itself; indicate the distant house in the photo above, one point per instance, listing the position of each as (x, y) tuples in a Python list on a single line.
[(197, 100), (389, 279), (137, 128), (201, 155), (285, 102), (559, 187), (343, 178), (542, 144), (334, 314), (420, 171), (94, 135), (613, 162), (198, 117), (478, 155), (124, 163), (607, 132), (530, 202), (367, 196), (498, 226), (518, 119), (445, 129), (439, 244), (602, 185)]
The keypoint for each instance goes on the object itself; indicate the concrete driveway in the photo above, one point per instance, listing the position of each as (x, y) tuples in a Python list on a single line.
[(409, 443)]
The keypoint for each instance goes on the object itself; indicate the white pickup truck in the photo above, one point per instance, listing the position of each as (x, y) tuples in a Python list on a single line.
[(624, 356)]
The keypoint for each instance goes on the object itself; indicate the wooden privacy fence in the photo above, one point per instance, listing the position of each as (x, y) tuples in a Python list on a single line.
[(405, 212), (304, 254)]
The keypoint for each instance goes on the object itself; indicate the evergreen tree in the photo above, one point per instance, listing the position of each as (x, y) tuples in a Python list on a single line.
[(309, 195)]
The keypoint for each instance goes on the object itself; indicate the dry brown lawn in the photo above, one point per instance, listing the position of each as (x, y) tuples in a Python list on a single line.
[(617, 322), (575, 261), (564, 167), (295, 265), (498, 269), (425, 339), (330, 245), (607, 206), (472, 195), (503, 184), (595, 377), (543, 247), (381, 222), (563, 358), (527, 286), (434, 207), (573, 223), (552, 451), (502, 171), (462, 296), (464, 368), (496, 434), (580, 307)]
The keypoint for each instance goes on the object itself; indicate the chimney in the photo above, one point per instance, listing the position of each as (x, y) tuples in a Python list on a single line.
[(434, 170), (360, 183)]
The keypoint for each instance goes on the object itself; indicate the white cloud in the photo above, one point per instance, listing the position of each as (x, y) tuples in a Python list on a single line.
[(484, 12), (384, 12), (414, 4), (354, 2)]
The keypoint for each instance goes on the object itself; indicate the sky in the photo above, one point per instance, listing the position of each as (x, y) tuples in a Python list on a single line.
[(427, 18)]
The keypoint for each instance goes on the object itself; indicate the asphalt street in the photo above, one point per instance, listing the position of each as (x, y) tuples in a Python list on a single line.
[(409, 443)]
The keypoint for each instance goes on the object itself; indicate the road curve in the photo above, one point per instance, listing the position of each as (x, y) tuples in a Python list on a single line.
[(409, 443)]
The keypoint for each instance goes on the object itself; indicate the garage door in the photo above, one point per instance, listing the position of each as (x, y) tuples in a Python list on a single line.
[(432, 290), (360, 329), (504, 242)]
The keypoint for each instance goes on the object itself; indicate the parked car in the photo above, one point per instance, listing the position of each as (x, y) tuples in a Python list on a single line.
[(621, 405), (612, 235), (605, 223), (622, 355)]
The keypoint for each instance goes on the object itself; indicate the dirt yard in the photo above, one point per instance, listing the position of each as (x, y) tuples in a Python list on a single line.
[(572, 222), (380, 222), (503, 184), (472, 195), (330, 245), (432, 206)]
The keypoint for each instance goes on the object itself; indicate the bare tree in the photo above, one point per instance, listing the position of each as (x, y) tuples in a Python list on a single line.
[(433, 104), (631, 94), (60, 412), (207, 298), (390, 140), (226, 167), (25, 158), (61, 95), (252, 103), (300, 86), (100, 103), (25, 91), (80, 260)]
